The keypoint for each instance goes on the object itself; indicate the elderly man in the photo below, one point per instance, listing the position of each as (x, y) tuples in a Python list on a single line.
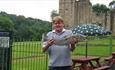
[(58, 47)]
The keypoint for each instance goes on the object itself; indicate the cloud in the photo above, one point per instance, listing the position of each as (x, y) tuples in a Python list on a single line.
[(35, 8)]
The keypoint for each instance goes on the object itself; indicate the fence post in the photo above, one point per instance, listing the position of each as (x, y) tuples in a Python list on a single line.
[(110, 44)]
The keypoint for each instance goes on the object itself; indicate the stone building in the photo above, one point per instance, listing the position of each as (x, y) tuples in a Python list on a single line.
[(77, 12)]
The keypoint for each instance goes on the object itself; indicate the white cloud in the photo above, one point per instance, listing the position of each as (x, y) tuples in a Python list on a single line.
[(30, 8)]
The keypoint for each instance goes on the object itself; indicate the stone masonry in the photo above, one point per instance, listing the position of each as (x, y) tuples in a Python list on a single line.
[(77, 12)]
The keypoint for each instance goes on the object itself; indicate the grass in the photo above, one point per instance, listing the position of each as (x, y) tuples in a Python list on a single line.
[(27, 55), (99, 42), (96, 46), (30, 64), (93, 50)]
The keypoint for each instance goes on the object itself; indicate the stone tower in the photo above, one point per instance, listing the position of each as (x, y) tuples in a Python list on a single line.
[(74, 11), (67, 11), (83, 11)]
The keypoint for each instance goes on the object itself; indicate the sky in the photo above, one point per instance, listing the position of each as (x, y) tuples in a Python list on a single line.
[(40, 9)]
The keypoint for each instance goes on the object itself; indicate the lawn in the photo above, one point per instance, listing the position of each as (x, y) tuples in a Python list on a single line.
[(98, 47), (28, 55), (93, 50)]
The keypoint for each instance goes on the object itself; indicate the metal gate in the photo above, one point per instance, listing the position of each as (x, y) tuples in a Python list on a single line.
[(5, 50)]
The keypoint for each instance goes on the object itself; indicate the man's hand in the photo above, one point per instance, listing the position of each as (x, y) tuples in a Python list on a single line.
[(73, 40), (50, 42)]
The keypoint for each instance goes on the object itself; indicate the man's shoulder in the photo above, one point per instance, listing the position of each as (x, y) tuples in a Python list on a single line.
[(50, 32), (67, 30)]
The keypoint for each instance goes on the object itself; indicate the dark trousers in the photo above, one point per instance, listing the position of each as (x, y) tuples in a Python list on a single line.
[(61, 68)]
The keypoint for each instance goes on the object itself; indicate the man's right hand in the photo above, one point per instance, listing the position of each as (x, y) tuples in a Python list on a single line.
[(50, 42)]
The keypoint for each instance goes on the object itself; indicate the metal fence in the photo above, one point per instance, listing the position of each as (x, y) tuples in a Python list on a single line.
[(28, 55), (96, 46)]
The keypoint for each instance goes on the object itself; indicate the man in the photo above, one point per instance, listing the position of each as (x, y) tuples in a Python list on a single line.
[(58, 47)]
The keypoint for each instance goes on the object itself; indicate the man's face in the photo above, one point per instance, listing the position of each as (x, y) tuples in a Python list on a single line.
[(58, 25)]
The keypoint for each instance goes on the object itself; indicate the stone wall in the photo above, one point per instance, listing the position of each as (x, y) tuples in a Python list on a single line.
[(77, 12)]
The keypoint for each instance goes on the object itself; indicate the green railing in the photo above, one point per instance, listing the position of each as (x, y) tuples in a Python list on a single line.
[(28, 55), (97, 46)]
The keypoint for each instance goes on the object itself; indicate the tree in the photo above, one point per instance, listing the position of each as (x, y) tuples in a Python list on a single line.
[(101, 9), (22, 27), (112, 5), (54, 13), (6, 23)]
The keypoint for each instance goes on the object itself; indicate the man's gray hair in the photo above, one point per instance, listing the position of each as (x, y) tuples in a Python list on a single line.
[(57, 18)]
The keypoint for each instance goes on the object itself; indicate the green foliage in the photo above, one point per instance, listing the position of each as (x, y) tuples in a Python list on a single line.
[(99, 8), (26, 28), (6, 23)]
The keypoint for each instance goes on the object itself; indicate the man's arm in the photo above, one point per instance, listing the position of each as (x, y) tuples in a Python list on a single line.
[(73, 42), (47, 45)]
